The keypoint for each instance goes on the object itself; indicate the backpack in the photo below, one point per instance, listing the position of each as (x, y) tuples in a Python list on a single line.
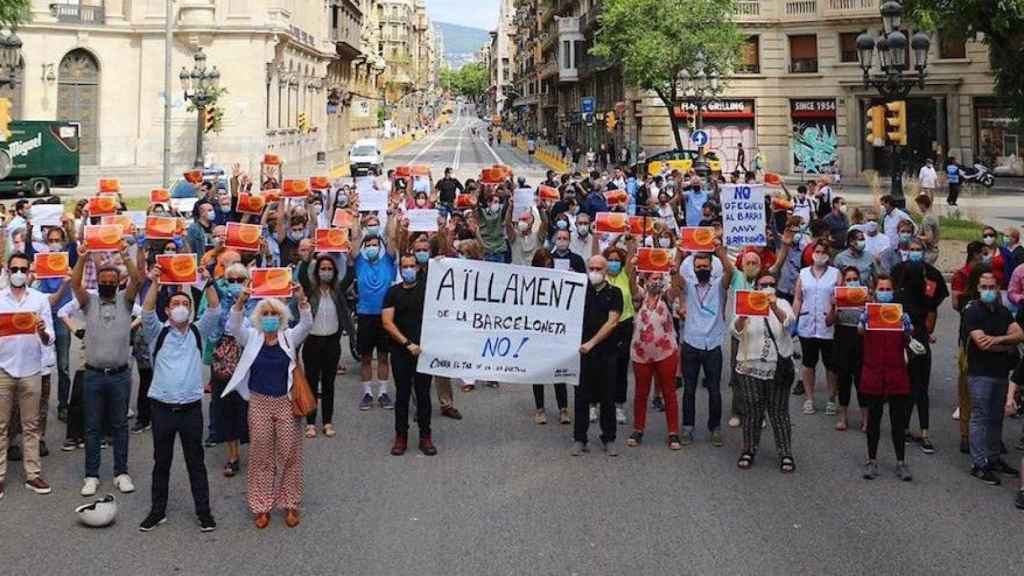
[(163, 336), (225, 358)]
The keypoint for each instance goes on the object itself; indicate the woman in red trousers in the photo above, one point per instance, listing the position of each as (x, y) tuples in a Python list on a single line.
[(655, 355)]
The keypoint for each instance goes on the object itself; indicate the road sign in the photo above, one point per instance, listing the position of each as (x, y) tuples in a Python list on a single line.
[(588, 118), (700, 138), (587, 105)]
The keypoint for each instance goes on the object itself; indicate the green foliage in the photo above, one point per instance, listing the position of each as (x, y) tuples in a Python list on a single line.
[(1002, 24), (13, 12), (382, 115), (652, 41), (470, 80), (211, 102)]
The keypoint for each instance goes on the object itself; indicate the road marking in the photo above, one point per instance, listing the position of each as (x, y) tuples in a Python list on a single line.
[(429, 146), (491, 150), (458, 150)]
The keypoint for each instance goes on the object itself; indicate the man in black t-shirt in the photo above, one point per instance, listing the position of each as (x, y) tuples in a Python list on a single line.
[(601, 313), (992, 338), (402, 318), (447, 188)]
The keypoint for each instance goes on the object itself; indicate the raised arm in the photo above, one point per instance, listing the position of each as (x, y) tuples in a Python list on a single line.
[(76, 279)]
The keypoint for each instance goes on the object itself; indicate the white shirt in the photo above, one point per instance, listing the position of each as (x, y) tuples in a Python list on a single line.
[(21, 356), (584, 246), (325, 322), (876, 244), (891, 225), (816, 303), (928, 177)]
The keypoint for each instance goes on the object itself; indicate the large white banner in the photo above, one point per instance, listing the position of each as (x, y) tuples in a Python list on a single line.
[(489, 321), (743, 215)]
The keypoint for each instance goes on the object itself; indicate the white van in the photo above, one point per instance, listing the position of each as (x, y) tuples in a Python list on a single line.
[(365, 158)]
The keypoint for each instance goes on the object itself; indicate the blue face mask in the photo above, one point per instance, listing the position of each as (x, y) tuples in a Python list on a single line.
[(562, 225), (884, 297), (614, 267), (422, 256), (270, 323), (342, 200), (915, 256), (989, 296), (904, 237), (235, 289), (371, 252), (373, 230), (853, 283), (409, 275)]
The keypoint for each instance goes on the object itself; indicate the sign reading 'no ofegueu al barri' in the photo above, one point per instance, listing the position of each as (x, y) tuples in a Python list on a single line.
[(488, 321), (743, 215)]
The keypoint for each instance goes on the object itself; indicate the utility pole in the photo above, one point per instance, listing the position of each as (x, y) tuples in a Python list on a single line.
[(168, 46)]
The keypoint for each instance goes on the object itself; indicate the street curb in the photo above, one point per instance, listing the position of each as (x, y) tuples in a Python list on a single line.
[(545, 157)]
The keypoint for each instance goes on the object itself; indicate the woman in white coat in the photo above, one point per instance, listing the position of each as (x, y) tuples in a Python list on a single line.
[(264, 378)]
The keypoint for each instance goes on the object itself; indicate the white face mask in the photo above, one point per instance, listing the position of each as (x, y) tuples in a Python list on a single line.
[(180, 314), (18, 279), (583, 229), (596, 278), (524, 226), (562, 244), (820, 260), (665, 242)]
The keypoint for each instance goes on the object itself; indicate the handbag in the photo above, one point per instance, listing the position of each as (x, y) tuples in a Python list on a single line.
[(225, 358), (303, 401), (785, 372)]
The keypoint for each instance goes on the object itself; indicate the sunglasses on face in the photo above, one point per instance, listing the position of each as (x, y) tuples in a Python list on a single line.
[(766, 285), (235, 280), (14, 269), (988, 235)]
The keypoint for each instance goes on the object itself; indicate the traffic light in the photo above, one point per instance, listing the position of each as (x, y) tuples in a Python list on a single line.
[(5, 119), (875, 126), (303, 122), (610, 121), (896, 122), (209, 115)]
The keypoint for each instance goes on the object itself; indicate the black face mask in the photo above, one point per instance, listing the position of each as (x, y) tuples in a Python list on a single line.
[(703, 276), (107, 291)]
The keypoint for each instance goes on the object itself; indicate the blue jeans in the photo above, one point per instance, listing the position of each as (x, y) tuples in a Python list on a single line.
[(500, 257), (62, 342), (988, 396), (711, 361), (106, 396)]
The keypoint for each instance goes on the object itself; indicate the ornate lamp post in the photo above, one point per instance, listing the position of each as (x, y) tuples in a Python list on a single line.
[(894, 80), (10, 59), (199, 86), (700, 89)]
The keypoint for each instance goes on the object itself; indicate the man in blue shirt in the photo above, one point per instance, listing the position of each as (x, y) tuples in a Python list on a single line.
[(375, 273), (176, 349), (953, 179), (696, 197)]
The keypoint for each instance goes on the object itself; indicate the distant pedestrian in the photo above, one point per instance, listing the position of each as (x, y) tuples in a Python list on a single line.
[(953, 181), (928, 178), (741, 157)]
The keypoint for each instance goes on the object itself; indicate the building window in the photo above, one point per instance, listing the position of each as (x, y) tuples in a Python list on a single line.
[(750, 61), (952, 47), (803, 54), (848, 46)]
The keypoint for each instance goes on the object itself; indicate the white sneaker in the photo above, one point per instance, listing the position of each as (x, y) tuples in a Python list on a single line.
[(734, 422), (830, 408), (593, 413), (956, 413), (808, 407), (620, 415), (123, 482), (90, 485)]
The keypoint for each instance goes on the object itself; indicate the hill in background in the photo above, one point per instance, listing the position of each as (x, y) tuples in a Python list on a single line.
[(461, 43)]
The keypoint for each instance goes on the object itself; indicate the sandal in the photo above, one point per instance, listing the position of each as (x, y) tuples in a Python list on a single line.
[(230, 469), (787, 465), (329, 430), (746, 461), (310, 431), (841, 426)]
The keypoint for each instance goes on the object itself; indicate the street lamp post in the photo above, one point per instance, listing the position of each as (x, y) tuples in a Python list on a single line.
[(894, 81), (10, 59), (199, 86), (701, 89)]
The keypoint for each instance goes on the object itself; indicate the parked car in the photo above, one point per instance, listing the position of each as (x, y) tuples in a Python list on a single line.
[(677, 159)]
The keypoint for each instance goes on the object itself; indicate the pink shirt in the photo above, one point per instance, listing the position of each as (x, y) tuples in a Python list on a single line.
[(654, 336)]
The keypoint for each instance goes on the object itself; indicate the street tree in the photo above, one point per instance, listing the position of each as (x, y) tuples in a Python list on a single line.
[(470, 80), (13, 12), (654, 41), (1002, 25)]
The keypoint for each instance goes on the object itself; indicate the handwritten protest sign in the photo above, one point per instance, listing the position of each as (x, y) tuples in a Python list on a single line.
[(46, 214), (489, 321), (743, 216), (422, 220), (370, 198), (522, 201)]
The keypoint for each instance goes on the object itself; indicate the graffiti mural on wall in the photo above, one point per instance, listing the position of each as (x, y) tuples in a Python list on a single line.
[(815, 147)]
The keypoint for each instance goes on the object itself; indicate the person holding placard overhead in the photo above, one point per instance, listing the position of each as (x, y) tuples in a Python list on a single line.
[(375, 271)]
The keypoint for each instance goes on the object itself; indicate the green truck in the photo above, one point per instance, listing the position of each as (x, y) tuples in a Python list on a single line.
[(39, 155)]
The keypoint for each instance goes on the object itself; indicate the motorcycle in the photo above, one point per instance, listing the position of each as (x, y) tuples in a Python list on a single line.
[(979, 174)]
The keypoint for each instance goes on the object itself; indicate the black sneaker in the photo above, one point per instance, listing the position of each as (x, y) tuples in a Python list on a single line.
[(1019, 502), (62, 414), (14, 454), (986, 476), (152, 521), (69, 445), (926, 445), (798, 388), (209, 443), (1020, 445), (207, 523), (43, 450), (141, 427), (658, 404), (965, 446), (1002, 467)]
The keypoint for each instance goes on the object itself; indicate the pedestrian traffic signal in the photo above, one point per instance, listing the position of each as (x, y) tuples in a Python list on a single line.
[(875, 126), (5, 119), (896, 122), (610, 121), (209, 116)]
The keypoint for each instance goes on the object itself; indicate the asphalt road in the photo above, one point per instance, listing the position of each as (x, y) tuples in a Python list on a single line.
[(504, 497)]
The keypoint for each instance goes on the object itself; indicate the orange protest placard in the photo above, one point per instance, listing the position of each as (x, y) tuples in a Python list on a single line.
[(51, 265), (103, 238), (549, 193), (271, 282), (463, 201), (126, 224), (420, 170), (332, 240), (491, 176), (342, 219), (779, 204), (251, 204), (271, 159), (885, 316), (658, 260), (403, 171), (642, 226), (177, 269), (319, 182), (108, 186), (102, 205), (194, 176), (271, 194), (772, 179), (853, 297), (17, 323), (697, 239), (752, 303), (159, 196), (611, 222), (294, 189), (160, 227), (244, 237), (616, 197)]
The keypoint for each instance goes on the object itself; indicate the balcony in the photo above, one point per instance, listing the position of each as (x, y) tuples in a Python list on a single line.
[(549, 69), (801, 10), (851, 8), (83, 13), (804, 66), (549, 100)]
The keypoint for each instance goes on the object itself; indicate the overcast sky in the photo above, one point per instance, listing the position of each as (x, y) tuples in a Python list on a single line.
[(475, 13)]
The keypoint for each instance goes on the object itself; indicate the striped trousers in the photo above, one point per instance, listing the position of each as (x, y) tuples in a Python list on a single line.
[(274, 477), (760, 396)]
